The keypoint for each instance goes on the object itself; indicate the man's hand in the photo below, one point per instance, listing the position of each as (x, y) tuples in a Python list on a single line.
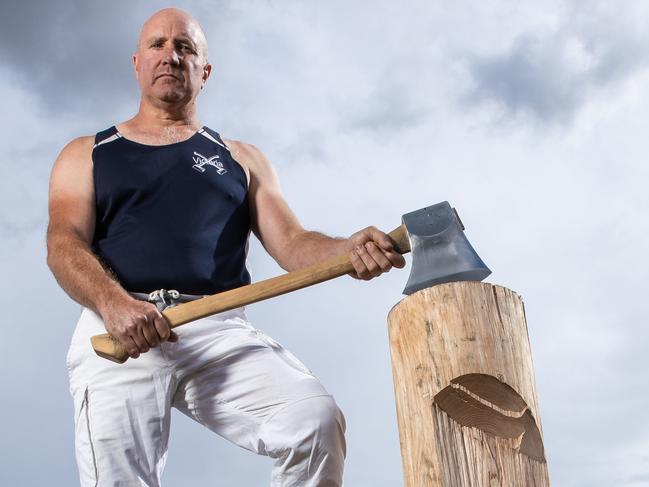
[(137, 325), (372, 253)]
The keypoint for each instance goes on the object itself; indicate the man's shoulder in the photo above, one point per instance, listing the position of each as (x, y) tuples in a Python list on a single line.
[(85, 143), (249, 156), (78, 149), (77, 154), (245, 152), (240, 146)]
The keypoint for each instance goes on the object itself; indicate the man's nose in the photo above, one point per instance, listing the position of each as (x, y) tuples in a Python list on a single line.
[(171, 56)]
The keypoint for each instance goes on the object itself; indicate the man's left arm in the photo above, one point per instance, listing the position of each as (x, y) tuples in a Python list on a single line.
[(371, 251)]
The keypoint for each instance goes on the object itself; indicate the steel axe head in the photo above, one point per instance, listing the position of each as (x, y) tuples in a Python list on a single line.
[(440, 250)]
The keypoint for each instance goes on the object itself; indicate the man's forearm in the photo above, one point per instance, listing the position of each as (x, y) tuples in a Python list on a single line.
[(79, 272), (308, 248)]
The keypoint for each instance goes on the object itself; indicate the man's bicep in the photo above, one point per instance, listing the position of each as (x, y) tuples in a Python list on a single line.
[(272, 220), (71, 193)]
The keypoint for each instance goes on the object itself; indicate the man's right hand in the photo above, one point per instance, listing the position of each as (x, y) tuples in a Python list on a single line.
[(137, 325)]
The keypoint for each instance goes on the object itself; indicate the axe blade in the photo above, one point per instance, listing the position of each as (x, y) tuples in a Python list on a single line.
[(440, 250)]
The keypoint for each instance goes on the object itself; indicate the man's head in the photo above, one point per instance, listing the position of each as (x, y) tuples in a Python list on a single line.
[(171, 60)]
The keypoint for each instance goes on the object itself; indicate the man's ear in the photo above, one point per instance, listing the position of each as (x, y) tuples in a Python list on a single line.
[(207, 70), (135, 65)]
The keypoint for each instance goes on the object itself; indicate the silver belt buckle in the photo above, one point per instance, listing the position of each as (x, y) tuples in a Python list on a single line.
[(164, 298)]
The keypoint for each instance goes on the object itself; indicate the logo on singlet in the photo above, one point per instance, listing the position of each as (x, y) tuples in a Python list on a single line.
[(200, 160)]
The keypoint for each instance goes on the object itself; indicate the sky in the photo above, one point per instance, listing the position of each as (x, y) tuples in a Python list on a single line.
[(529, 117)]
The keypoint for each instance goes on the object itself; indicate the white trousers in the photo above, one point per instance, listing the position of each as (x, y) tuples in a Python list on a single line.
[(223, 373)]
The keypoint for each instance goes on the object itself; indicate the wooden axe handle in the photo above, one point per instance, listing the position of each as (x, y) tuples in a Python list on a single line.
[(108, 347)]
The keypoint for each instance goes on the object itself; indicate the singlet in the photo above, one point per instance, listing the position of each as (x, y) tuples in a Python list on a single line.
[(174, 216)]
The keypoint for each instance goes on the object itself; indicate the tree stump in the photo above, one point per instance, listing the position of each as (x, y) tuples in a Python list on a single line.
[(464, 384)]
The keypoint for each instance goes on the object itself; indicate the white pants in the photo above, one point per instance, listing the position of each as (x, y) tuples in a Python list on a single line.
[(223, 373)]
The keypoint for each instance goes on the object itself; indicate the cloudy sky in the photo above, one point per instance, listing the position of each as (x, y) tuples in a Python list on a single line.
[(527, 116)]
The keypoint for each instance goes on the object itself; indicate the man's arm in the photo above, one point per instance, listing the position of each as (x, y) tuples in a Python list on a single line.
[(371, 251), (136, 324)]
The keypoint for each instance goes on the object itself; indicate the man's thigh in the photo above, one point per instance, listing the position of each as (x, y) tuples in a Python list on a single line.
[(122, 412), (246, 383)]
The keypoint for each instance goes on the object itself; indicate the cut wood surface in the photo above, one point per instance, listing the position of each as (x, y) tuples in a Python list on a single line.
[(464, 384)]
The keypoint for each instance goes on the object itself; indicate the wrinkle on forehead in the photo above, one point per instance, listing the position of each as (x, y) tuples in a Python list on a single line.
[(155, 25)]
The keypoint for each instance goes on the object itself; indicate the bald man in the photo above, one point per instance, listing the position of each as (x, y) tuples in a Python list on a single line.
[(155, 211)]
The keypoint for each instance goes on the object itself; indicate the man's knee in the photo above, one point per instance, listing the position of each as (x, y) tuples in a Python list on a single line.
[(315, 422)]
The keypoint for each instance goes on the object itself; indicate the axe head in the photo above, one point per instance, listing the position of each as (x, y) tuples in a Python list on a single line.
[(440, 250)]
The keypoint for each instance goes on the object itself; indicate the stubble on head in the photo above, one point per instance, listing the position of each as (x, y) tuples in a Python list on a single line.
[(171, 61), (194, 29)]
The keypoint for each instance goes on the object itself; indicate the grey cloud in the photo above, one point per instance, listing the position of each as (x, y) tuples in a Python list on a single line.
[(68, 67), (387, 114), (75, 55), (527, 79), (549, 77)]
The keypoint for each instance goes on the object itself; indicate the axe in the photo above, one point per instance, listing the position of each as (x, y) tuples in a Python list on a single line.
[(434, 235)]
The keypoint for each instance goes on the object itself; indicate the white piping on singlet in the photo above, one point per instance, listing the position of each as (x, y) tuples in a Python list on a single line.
[(115, 136), (204, 133)]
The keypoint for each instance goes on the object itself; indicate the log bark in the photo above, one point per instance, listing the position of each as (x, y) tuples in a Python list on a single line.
[(464, 383)]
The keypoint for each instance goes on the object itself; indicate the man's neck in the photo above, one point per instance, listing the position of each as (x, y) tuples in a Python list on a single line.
[(161, 124), (161, 116)]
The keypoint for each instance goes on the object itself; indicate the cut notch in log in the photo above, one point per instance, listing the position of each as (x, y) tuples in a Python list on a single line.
[(481, 401)]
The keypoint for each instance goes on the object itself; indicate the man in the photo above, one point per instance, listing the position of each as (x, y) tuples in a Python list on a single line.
[(160, 204)]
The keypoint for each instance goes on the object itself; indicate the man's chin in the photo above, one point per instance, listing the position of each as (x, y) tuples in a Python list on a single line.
[(170, 96)]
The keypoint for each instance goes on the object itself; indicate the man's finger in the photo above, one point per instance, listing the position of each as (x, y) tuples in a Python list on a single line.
[(150, 334), (131, 347), (378, 256), (396, 259), (373, 268), (162, 327), (381, 238), (140, 341), (359, 265)]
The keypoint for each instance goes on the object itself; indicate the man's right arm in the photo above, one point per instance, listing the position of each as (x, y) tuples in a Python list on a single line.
[(136, 324)]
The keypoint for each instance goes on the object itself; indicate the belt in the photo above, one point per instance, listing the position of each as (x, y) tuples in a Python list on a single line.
[(164, 298)]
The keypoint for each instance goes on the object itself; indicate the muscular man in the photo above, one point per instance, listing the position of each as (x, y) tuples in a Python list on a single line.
[(160, 202)]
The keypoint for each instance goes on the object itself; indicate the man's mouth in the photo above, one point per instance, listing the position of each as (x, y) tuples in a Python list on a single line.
[(167, 75)]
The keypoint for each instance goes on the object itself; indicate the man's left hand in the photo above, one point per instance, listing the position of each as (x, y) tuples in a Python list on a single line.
[(372, 253)]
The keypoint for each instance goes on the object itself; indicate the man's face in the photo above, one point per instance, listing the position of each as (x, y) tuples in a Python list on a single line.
[(171, 64)]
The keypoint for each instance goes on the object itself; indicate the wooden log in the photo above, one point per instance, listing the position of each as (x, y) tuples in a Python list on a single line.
[(464, 384)]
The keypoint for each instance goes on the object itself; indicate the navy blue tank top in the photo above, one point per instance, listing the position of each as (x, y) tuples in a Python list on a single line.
[(173, 216)]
